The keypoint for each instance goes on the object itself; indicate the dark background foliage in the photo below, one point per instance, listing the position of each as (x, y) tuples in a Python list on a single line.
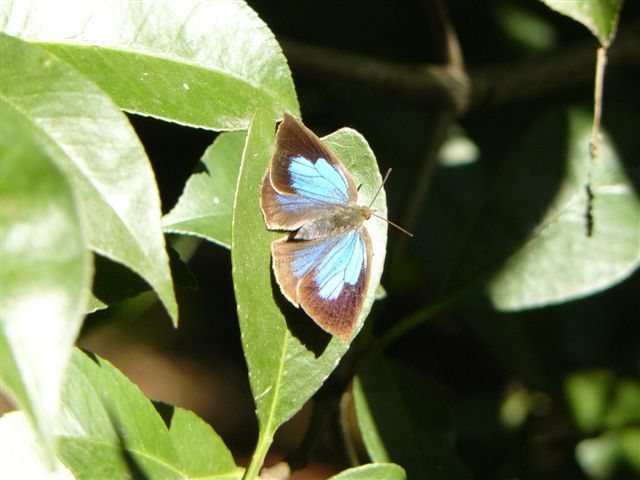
[(481, 359)]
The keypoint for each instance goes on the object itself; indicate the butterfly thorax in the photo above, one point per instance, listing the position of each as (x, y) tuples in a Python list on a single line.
[(339, 219)]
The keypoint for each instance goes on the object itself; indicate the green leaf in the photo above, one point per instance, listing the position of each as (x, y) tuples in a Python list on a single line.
[(599, 16), (556, 260), (404, 420), (613, 454), (110, 427), (92, 142), (372, 471), (204, 63), (598, 400), (588, 395), (204, 208), (45, 274), (288, 356), (19, 457)]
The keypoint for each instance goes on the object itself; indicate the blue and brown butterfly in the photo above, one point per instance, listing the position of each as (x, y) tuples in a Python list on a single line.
[(324, 264)]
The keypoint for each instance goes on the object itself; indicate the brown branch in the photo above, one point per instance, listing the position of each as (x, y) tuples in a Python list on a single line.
[(444, 87)]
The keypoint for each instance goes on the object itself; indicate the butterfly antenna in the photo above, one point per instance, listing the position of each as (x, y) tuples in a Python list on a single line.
[(384, 180), (393, 224)]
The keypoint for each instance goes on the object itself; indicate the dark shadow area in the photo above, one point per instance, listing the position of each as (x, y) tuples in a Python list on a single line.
[(114, 282), (518, 199), (299, 324), (174, 150), (91, 355), (165, 411)]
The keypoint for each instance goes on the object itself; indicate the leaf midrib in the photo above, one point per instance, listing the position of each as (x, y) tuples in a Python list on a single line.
[(144, 454), (273, 94)]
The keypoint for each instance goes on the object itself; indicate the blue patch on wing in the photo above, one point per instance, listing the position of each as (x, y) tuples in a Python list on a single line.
[(303, 259), (342, 265), (336, 260), (295, 204), (320, 181)]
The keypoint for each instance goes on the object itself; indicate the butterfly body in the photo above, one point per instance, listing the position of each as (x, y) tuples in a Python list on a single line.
[(324, 264), (336, 222)]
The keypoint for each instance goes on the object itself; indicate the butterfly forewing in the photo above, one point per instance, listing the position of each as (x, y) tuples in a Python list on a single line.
[(298, 150)]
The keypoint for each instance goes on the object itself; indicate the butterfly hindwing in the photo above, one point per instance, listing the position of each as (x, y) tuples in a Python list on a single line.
[(327, 277)]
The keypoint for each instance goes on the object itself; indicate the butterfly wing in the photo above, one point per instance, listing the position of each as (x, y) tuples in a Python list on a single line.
[(327, 277), (304, 179)]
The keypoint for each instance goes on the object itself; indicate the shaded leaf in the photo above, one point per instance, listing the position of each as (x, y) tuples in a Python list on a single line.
[(45, 274), (204, 63), (557, 260), (110, 427), (204, 208), (599, 16), (114, 283), (288, 356), (404, 420), (92, 142), (372, 471)]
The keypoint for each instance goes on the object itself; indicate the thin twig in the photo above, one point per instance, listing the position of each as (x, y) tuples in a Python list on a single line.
[(431, 84), (438, 86), (596, 137), (594, 144), (443, 118)]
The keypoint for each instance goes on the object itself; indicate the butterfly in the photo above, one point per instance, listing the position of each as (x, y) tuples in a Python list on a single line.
[(324, 264)]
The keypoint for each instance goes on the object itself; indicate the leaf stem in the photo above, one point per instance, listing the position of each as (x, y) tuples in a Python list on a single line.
[(601, 63), (265, 439), (596, 136)]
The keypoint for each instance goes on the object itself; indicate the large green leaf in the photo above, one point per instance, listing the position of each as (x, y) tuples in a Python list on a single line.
[(45, 274), (94, 145), (205, 63), (204, 208), (599, 16), (403, 419), (108, 426), (288, 356), (372, 471), (557, 260)]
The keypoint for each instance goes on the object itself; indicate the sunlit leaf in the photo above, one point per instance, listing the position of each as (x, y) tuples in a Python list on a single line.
[(205, 63), (92, 142), (204, 209), (19, 455), (372, 471), (613, 454), (599, 16), (557, 260), (108, 426), (288, 356), (45, 274)]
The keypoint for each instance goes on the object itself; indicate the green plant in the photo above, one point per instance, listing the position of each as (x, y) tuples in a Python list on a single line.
[(76, 181)]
